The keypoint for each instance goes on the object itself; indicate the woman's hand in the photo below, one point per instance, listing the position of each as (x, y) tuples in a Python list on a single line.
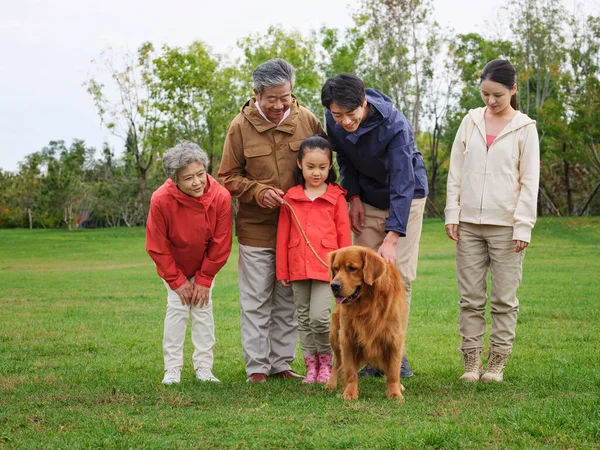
[(520, 245), (285, 283), (185, 292), (201, 296), (452, 231)]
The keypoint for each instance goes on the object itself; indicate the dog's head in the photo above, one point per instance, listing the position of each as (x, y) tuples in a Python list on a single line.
[(350, 269)]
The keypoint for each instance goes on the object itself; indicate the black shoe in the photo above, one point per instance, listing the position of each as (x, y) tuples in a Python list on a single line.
[(370, 371), (405, 371)]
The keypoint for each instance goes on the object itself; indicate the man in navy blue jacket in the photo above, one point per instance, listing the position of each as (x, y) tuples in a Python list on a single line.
[(383, 173)]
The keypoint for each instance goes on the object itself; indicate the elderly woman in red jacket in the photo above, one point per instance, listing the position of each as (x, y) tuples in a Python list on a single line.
[(188, 236)]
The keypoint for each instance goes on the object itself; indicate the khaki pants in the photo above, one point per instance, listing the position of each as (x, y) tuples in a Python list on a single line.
[(407, 250), (479, 248), (267, 313), (203, 332), (313, 303)]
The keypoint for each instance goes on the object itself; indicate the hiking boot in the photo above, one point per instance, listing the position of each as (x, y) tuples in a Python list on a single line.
[(324, 367), (312, 368), (495, 368), (405, 371), (473, 365), (172, 376), (205, 374)]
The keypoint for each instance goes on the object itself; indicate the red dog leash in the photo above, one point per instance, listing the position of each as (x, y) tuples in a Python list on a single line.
[(303, 233)]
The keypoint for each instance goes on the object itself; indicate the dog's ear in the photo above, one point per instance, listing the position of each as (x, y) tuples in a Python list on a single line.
[(331, 260), (373, 267)]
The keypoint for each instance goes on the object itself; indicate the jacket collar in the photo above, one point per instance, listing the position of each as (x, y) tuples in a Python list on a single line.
[(519, 121), (261, 125), (331, 195)]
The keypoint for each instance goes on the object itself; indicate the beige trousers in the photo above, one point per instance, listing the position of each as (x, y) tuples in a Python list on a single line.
[(407, 250), (313, 303), (268, 321), (481, 248), (203, 332)]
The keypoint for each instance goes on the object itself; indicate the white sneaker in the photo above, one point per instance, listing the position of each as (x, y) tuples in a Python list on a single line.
[(172, 376), (204, 374)]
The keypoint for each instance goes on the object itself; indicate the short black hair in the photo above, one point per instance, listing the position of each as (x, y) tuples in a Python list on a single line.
[(313, 143), (345, 90)]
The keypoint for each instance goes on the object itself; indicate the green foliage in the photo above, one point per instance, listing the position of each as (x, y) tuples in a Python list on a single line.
[(81, 360)]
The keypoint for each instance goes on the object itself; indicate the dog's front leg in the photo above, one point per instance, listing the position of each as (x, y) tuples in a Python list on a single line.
[(392, 377), (350, 360)]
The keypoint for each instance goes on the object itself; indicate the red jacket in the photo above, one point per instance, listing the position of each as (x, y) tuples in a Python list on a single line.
[(326, 223), (188, 236)]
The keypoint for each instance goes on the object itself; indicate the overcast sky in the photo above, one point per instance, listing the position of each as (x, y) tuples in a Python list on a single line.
[(46, 48)]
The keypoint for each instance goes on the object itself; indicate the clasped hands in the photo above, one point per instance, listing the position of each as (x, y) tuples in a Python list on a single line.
[(193, 294)]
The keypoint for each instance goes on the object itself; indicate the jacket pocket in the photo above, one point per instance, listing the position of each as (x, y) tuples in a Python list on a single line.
[(295, 145), (261, 150), (329, 243), (294, 243)]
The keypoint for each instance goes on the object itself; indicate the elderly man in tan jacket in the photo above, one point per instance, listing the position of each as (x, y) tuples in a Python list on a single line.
[(257, 168)]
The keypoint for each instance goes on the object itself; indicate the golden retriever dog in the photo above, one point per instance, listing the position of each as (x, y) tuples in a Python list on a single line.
[(369, 321)]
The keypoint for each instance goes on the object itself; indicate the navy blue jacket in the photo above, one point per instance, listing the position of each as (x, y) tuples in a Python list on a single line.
[(380, 163)]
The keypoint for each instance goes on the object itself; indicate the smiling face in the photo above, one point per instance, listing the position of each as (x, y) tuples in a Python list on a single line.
[(315, 166), (191, 179), (496, 96), (275, 101), (349, 120)]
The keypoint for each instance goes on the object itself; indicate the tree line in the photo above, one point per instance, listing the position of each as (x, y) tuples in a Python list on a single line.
[(155, 97)]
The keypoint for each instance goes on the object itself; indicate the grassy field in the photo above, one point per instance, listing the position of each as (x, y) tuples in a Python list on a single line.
[(81, 360)]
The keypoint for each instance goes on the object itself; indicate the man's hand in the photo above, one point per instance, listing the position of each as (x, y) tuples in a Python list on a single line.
[(388, 248), (520, 245), (357, 215), (185, 292), (452, 231), (201, 295), (272, 198)]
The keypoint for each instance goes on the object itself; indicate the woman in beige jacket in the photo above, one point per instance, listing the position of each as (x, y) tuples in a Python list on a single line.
[(490, 211)]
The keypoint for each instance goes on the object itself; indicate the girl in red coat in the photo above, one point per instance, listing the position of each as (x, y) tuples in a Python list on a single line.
[(321, 207)]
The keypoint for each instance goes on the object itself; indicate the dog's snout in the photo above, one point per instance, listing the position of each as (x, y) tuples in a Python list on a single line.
[(336, 286)]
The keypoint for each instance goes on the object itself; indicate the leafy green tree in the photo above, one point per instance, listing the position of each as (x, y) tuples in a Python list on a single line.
[(195, 94)]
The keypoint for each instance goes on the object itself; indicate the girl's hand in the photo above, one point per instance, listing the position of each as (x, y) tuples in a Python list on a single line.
[(520, 245), (185, 292), (201, 295), (452, 231), (285, 283)]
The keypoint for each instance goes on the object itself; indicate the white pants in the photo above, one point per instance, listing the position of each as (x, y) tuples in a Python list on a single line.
[(203, 332), (268, 320)]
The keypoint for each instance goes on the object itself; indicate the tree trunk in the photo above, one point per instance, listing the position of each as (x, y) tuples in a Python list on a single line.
[(568, 183), (30, 218)]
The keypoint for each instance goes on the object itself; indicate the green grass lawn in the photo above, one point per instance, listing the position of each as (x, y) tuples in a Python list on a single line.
[(81, 358)]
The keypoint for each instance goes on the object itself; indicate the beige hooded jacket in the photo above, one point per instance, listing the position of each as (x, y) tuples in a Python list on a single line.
[(496, 185)]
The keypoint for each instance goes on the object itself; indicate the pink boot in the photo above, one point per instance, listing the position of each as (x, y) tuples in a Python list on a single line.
[(324, 367), (312, 368)]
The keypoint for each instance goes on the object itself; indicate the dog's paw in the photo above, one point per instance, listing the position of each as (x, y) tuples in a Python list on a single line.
[(399, 398), (331, 385), (402, 388), (350, 394)]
